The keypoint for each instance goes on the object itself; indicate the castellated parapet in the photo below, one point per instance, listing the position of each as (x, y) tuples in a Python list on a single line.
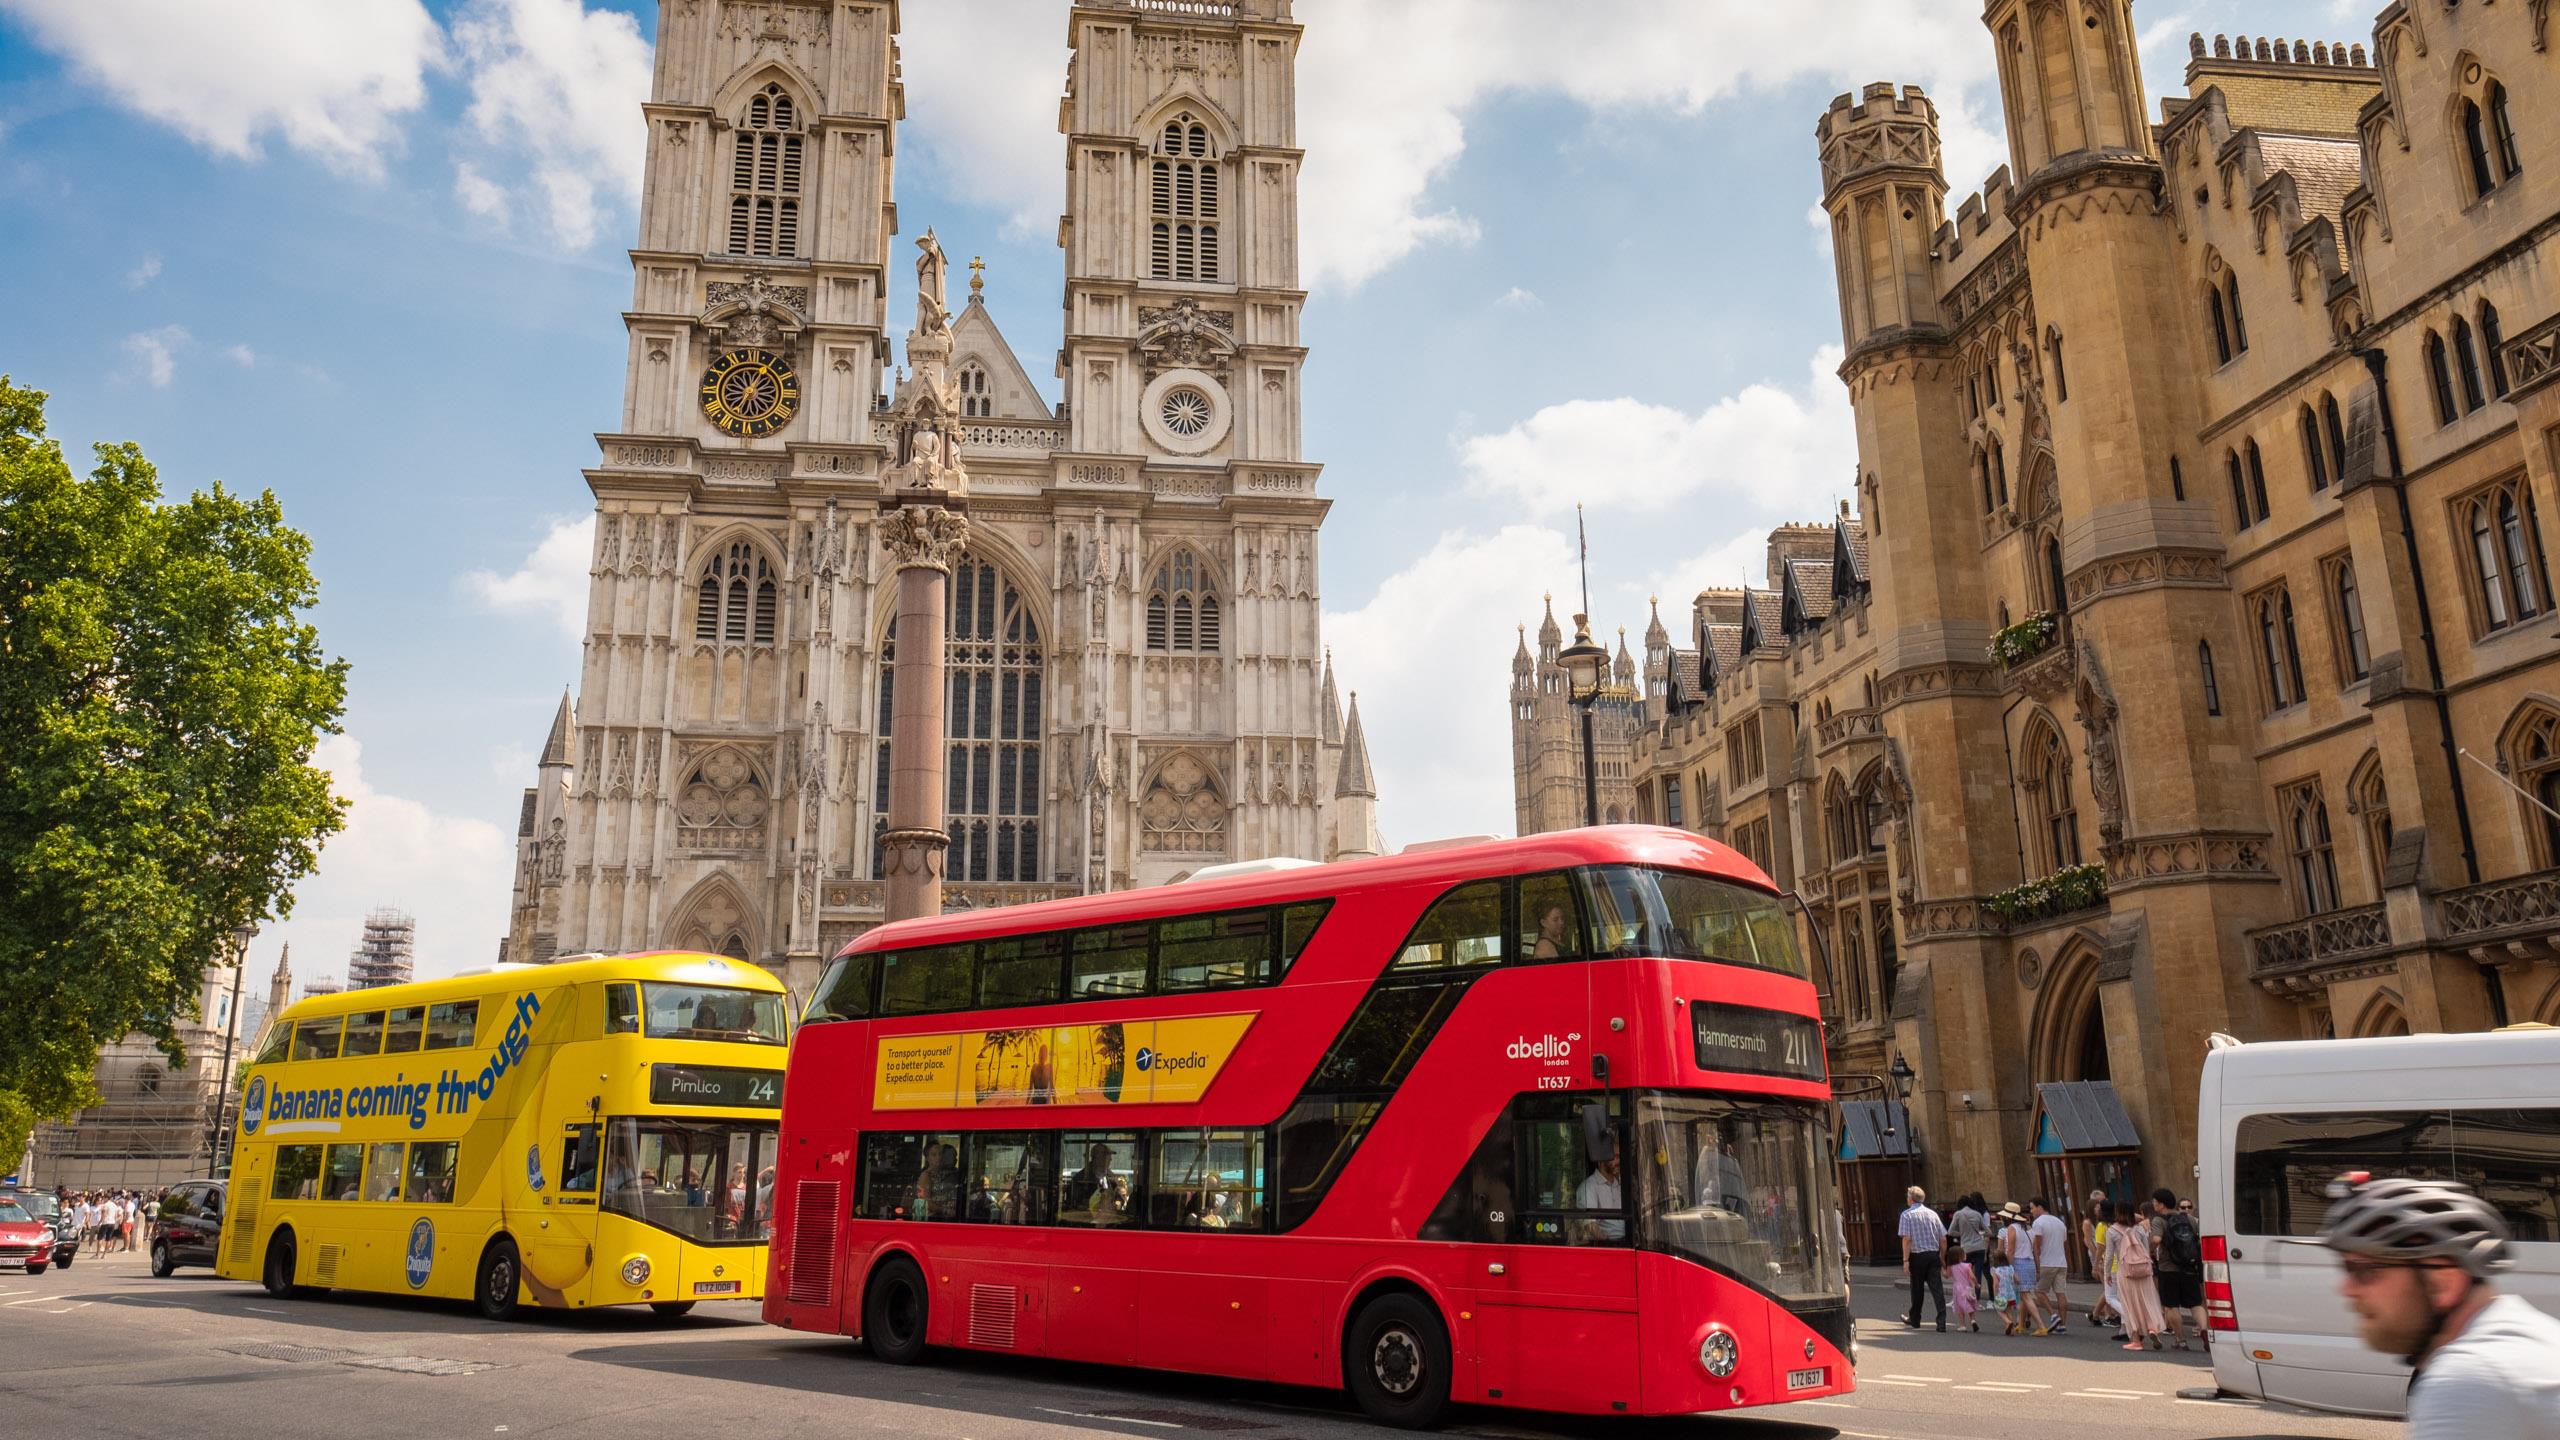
[(1879, 130), (2318, 54)]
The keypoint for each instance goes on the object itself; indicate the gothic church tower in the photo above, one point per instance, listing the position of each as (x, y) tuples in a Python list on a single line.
[(1137, 684)]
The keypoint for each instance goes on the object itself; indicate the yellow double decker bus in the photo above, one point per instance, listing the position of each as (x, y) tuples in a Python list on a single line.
[(592, 1132)]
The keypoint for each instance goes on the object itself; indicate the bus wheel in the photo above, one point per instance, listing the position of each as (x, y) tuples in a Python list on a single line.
[(162, 1265), (672, 1308), (894, 1307), (279, 1269), (500, 1277), (1396, 1360)]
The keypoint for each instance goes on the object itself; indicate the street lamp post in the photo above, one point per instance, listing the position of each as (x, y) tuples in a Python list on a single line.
[(1586, 668), (1903, 1075)]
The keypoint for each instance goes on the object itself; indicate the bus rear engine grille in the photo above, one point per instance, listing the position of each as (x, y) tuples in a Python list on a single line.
[(991, 1310), (814, 1242)]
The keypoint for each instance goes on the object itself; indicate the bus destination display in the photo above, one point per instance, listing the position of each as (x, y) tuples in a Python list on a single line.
[(1748, 1041), (715, 1085)]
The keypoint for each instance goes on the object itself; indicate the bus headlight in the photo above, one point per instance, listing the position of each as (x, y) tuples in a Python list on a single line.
[(635, 1271), (1720, 1354)]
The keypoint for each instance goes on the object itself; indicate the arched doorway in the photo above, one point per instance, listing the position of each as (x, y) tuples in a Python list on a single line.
[(2084, 1140), (716, 920)]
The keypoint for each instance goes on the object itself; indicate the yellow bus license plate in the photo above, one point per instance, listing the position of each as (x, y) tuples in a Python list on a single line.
[(730, 1287), (1812, 1379)]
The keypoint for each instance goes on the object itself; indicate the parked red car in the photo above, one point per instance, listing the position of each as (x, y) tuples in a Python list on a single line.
[(24, 1240)]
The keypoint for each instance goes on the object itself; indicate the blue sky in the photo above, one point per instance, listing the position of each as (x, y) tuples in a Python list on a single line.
[(368, 253)]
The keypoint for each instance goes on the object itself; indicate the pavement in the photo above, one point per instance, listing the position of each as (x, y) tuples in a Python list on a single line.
[(103, 1350)]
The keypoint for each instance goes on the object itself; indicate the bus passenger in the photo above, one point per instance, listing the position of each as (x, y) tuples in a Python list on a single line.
[(1599, 1192), (1085, 1185), (1551, 934)]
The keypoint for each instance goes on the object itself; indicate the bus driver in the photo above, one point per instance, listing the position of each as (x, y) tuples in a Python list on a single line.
[(1599, 1192)]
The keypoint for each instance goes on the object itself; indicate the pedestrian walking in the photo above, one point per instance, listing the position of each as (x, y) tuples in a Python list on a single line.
[(2136, 1288), (2050, 1239), (132, 1218), (2102, 1258), (1924, 1245), (2178, 1261), (1960, 1291), (1968, 1231), (2017, 1250)]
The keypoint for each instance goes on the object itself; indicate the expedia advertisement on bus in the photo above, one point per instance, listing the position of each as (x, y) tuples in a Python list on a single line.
[(1136, 1062)]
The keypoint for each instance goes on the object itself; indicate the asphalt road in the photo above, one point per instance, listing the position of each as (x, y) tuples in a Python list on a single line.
[(103, 1350)]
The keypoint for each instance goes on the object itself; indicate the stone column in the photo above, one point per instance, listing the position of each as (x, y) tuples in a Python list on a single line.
[(922, 538)]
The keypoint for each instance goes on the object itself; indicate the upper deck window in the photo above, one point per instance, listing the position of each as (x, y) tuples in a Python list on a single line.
[(1637, 911), (712, 1012)]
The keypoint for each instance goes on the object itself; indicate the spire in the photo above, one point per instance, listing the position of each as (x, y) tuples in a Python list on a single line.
[(280, 988), (1550, 634), (1520, 657), (1625, 664), (555, 750), (1332, 718), (1655, 637), (1353, 778)]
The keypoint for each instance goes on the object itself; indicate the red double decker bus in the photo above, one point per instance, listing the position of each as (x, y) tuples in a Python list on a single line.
[(1540, 1123)]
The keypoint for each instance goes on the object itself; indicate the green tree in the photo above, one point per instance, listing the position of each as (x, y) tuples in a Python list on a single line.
[(160, 695)]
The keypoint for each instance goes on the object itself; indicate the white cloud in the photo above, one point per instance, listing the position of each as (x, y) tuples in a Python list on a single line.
[(1740, 560), (983, 83), (451, 872), (479, 194), (552, 581), (155, 352), (1430, 657), (1771, 448), (331, 77), (1386, 85), (242, 356), (143, 274), (1517, 298), (561, 86)]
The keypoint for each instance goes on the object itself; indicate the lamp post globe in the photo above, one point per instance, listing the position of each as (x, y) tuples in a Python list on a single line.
[(1586, 668)]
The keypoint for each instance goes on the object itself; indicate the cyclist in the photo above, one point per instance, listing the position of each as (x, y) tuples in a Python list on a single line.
[(2419, 1256)]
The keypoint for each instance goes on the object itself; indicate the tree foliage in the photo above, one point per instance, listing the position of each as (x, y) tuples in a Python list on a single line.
[(160, 696)]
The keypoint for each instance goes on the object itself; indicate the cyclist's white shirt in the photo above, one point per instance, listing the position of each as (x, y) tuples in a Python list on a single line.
[(2496, 1380)]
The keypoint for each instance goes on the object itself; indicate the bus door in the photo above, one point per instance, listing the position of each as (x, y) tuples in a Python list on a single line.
[(560, 1248), (1559, 1321)]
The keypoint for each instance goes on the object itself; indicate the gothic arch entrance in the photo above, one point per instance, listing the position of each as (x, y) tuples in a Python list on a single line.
[(2069, 1038), (2083, 1139), (716, 920)]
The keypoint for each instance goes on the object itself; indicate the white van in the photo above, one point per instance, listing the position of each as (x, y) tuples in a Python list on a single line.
[(2278, 1122)]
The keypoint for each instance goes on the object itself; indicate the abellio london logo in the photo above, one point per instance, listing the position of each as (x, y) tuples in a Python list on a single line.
[(1545, 1047), (253, 1105), (422, 1253)]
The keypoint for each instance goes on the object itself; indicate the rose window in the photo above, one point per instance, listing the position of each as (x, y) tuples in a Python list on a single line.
[(1186, 412)]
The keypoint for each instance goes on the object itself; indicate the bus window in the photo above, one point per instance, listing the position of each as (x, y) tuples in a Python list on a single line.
[(1462, 928), (1007, 1179), (578, 1160), (1208, 1180), (622, 1009), (1023, 970), (1297, 927), (938, 1189), (1107, 1184), (343, 1176), (316, 1039), (890, 1165), (1743, 1186), (430, 1172), (844, 992), (1616, 899), (382, 1172), (451, 1024), (1479, 1208), (406, 1027), (1550, 926), (1317, 1138), (1213, 952), (1109, 960), (708, 1012), (705, 1180), (364, 1034), (297, 1172), (279, 1043), (920, 982), (1711, 920), (1569, 1171)]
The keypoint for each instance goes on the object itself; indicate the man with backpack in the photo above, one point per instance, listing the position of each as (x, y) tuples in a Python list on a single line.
[(2179, 1258)]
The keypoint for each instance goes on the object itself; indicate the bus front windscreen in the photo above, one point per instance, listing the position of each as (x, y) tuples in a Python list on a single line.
[(707, 1012), (708, 1181), (1743, 1186)]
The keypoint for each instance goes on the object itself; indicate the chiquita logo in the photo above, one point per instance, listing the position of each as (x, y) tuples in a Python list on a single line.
[(1545, 1047), (253, 1105), (422, 1253)]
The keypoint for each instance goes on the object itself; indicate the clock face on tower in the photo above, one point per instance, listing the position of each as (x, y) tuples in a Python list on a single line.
[(750, 393)]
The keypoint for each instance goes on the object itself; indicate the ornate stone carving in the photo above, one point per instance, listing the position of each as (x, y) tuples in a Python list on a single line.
[(2173, 859), (2098, 720), (1186, 336), (923, 536), (723, 803), (1183, 810)]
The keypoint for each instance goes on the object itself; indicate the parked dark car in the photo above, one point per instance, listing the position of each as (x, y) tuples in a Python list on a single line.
[(42, 1205), (189, 1227)]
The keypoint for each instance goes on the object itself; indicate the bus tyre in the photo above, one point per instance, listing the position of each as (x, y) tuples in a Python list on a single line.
[(1395, 1358), (501, 1276), (671, 1309), (278, 1274), (162, 1263), (894, 1307)]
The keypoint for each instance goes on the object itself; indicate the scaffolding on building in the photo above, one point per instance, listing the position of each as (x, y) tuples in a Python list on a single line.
[(155, 1123), (387, 955)]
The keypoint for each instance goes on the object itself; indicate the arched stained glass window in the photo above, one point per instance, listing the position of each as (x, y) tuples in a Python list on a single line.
[(993, 728)]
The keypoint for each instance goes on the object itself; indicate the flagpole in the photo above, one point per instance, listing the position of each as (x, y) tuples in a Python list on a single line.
[(1583, 533)]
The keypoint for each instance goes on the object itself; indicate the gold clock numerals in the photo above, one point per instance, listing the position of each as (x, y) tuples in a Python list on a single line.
[(750, 393)]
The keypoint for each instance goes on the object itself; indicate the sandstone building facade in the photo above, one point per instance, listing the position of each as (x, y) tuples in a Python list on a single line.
[(2189, 663), (1138, 687)]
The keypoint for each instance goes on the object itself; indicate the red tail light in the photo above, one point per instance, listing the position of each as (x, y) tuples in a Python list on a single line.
[(2219, 1312)]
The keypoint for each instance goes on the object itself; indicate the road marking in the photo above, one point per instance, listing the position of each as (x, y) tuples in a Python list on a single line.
[(1931, 1379), (263, 1310), (31, 1300), (1906, 1384), (1114, 1419), (2096, 1395), (2116, 1390), (1829, 1404), (1997, 1387)]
